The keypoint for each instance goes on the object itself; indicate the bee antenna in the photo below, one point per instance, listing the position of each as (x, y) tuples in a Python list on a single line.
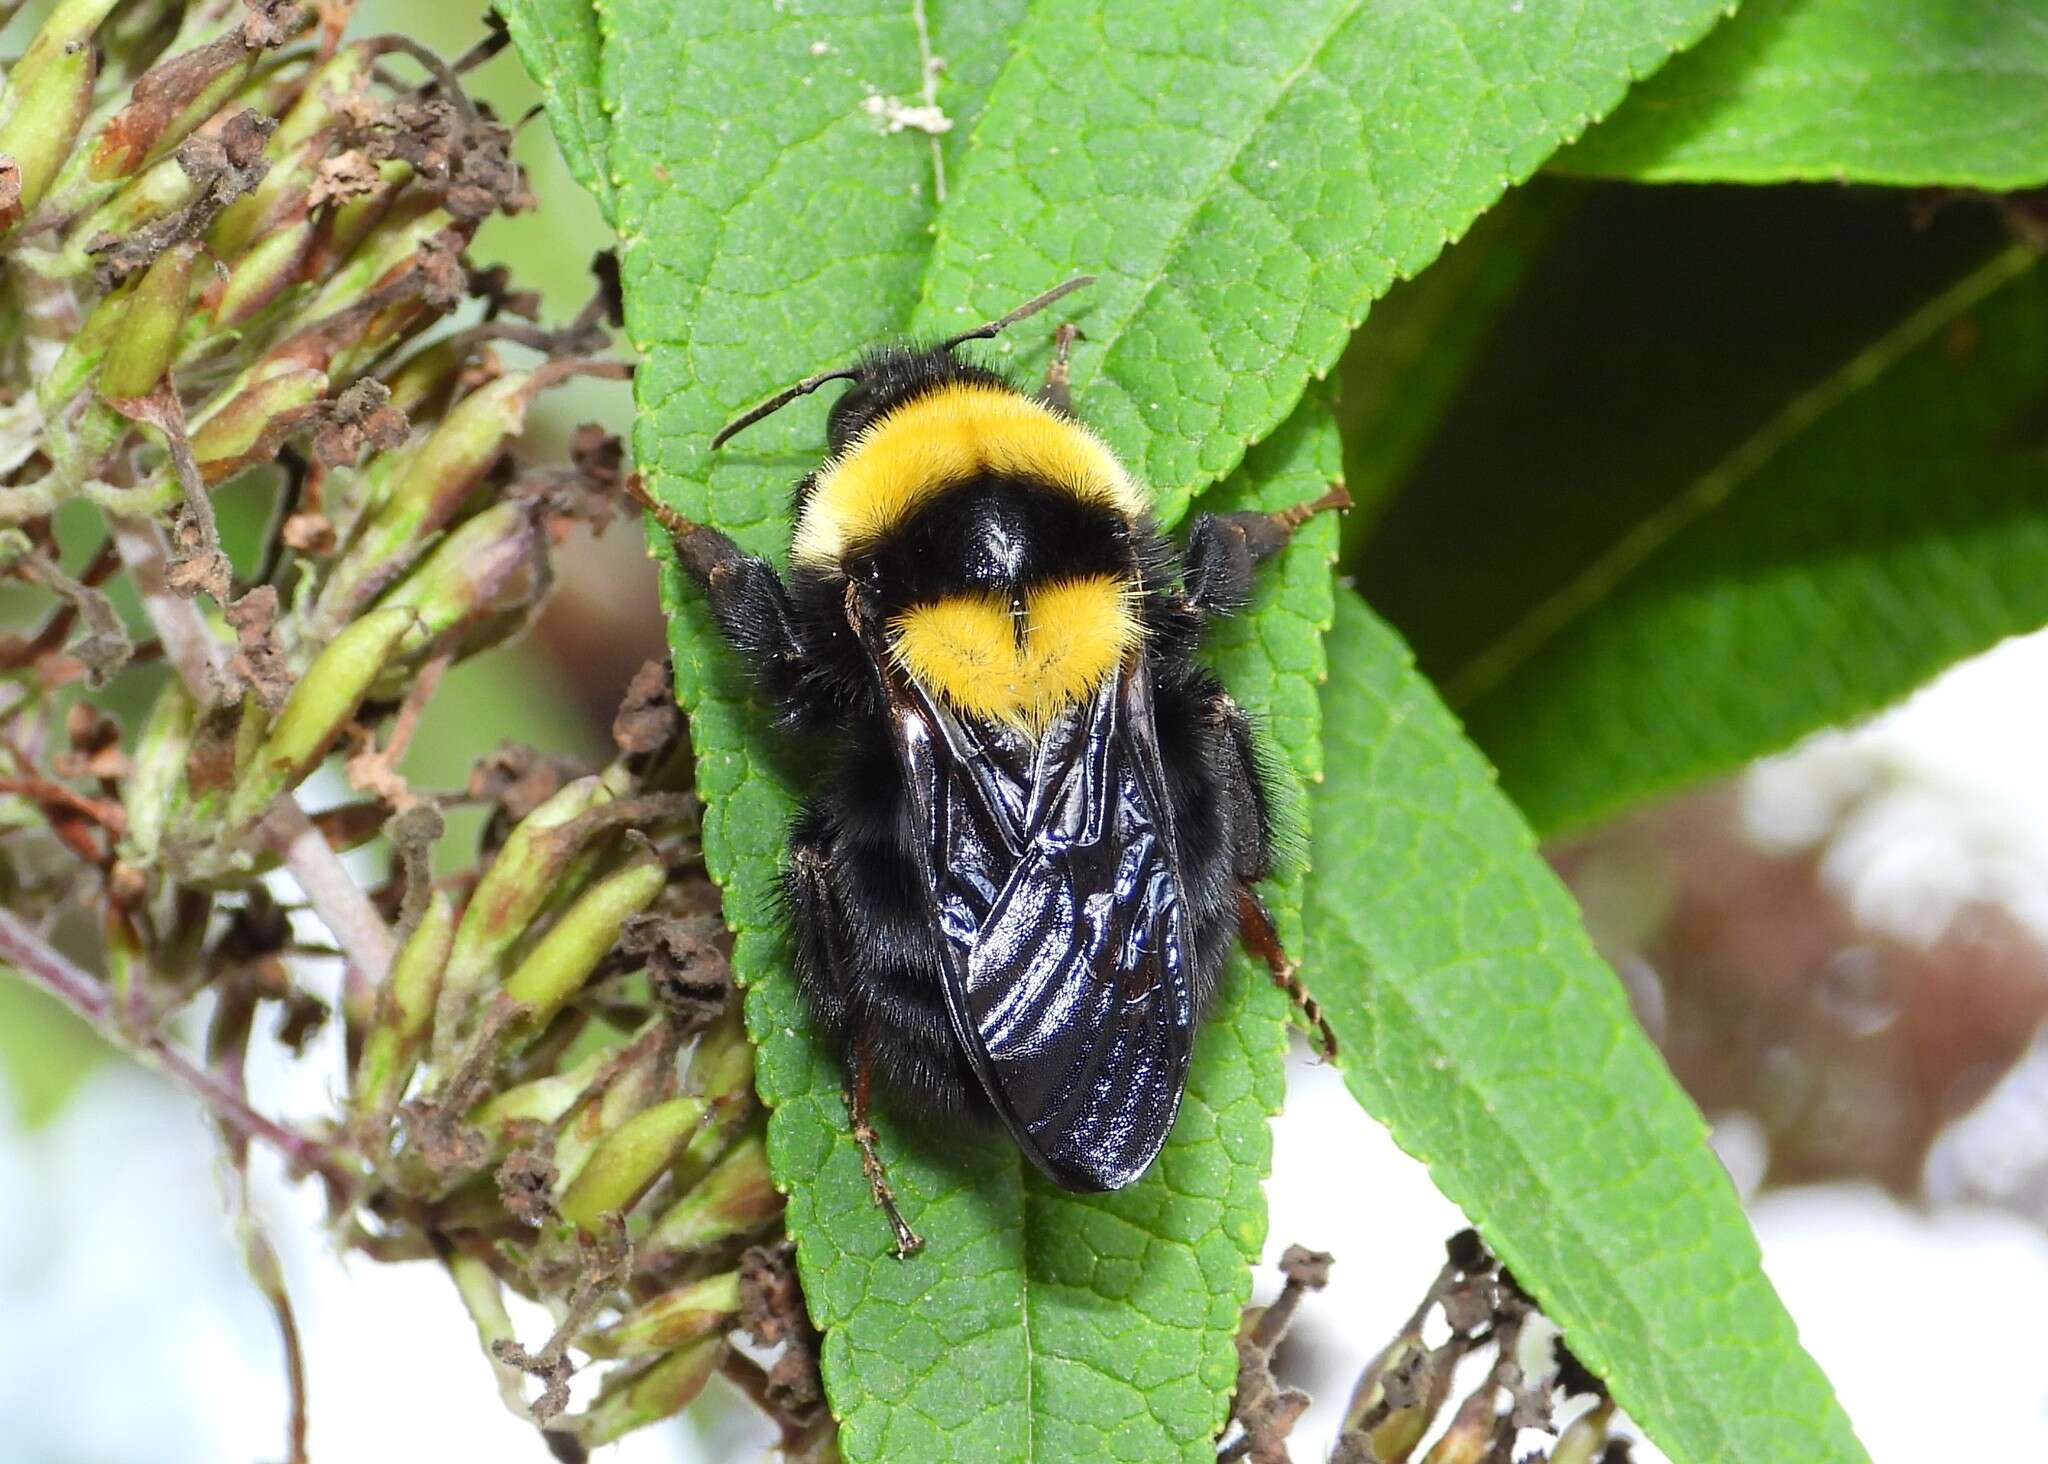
[(1029, 307), (848, 373), (780, 400)]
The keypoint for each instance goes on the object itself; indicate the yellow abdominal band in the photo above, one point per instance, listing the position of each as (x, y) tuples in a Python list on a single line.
[(968, 649), (943, 438)]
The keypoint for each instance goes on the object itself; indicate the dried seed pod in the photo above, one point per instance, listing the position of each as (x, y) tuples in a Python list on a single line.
[(347, 224), (318, 708), (698, 1309), (405, 1010), (735, 1197), (141, 351), (627, 1162), (302, 141)]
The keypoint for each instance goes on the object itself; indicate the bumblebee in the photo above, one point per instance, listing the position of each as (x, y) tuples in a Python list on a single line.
[(1041, 820)]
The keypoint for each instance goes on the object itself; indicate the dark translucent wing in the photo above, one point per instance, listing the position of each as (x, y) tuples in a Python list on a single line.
[(1062, 921)]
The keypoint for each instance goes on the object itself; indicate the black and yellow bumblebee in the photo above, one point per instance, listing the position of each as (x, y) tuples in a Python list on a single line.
[(1041, 820)]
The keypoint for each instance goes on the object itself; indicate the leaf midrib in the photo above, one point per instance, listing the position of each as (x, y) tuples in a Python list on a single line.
[(1715, 488), (1255, 123)]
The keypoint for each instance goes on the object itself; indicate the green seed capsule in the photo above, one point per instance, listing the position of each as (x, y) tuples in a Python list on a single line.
[(735, 1197), (556, 968), (262, 273), (722, 1071), (426, 490), (1585, 1438), (540, 1101), (629, 1160), (84, 352), (670, 1320), (229, 431), (318, 708), (157, 772), (197, 84), (395, 235), (652, 1394), (422, 383), (1470, 1436), (643, 1073), (466, 574), (461, 451), (405, 1010), (140, 354), (49, 93), (507, 897)]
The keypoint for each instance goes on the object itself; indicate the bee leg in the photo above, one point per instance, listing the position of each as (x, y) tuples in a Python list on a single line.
[(1255, 927), (752, 609), (1243, 795), (1224, 548), (908, 1241), (1056, 393)]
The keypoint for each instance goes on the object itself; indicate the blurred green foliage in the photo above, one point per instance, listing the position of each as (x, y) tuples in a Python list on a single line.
[(514, 694), (45, 1052)]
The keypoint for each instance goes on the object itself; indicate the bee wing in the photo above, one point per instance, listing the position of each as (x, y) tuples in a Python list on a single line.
[(1062, 921)]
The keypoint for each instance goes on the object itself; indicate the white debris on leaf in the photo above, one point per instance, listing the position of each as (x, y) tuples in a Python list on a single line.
[(898, 115)]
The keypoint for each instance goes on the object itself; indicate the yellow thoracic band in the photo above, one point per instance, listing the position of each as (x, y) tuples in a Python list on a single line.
[(968, 649), (943, 438)]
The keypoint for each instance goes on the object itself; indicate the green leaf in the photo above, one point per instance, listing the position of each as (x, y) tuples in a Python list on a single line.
[(759, 244), (1478, 1024), (1420, 345), (1663, 330), (1246, 178), (1873, 91), (559, 42), (1887, 523)]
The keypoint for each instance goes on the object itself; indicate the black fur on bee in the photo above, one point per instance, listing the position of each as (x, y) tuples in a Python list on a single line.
[(1038, 820)]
